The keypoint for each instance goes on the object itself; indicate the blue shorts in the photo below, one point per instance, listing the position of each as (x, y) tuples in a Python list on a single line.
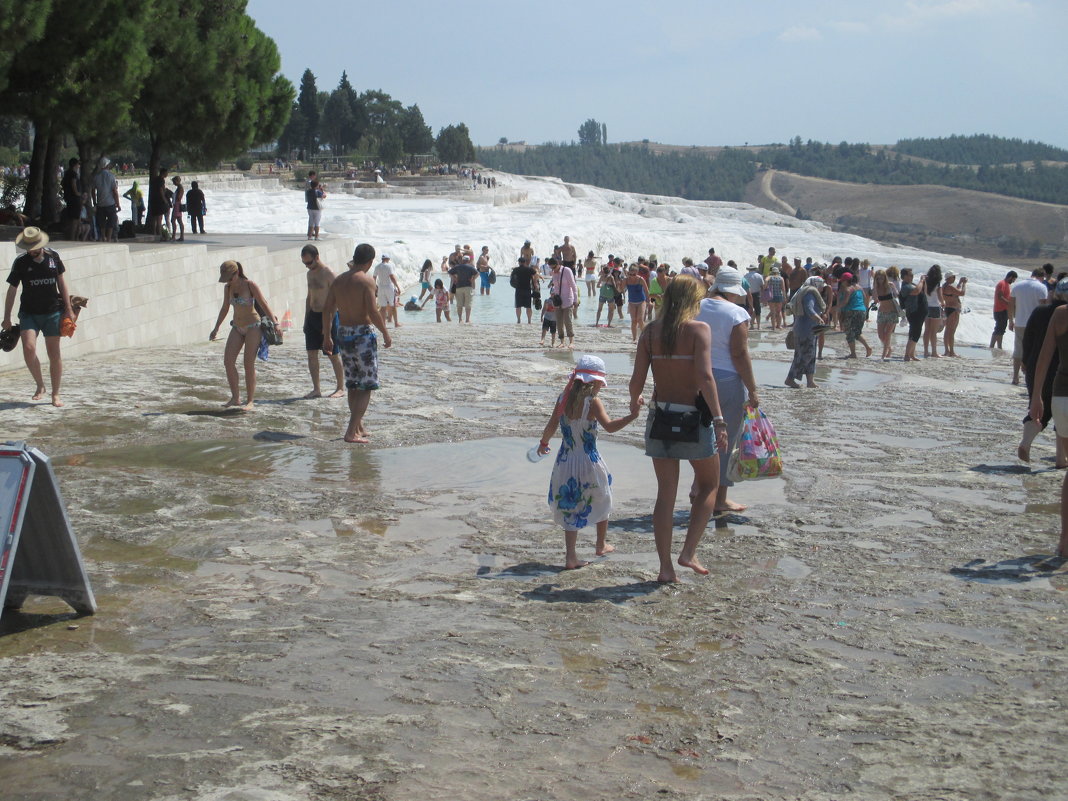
[(484, 278), (47, 324)]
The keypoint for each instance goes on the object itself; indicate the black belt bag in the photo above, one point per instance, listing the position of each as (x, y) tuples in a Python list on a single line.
[(676, 426)]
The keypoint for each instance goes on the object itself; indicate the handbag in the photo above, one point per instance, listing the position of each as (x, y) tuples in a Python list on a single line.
[(791, 340), (675, 426), (271, 334), (756, 452)]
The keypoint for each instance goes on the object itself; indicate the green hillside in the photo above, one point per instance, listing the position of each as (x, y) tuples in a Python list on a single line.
[(984, 163), (980, 149), (632, 168)]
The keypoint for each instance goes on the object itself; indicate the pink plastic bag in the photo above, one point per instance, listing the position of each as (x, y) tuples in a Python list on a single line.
[(756, 452)]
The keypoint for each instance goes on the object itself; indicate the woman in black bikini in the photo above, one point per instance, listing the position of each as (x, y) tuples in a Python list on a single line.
[(952, 292)]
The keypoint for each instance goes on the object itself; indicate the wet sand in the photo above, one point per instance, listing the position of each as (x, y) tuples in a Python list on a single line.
[(284, 616)]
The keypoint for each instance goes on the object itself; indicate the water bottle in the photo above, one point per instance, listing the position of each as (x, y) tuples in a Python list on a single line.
[(534, 454)]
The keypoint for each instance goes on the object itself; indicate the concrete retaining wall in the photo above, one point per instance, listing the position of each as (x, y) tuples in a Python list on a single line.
[(168, 295)]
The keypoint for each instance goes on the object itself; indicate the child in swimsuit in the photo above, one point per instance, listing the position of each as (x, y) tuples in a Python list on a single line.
[(548, 323), (441, 301), (580, 490)]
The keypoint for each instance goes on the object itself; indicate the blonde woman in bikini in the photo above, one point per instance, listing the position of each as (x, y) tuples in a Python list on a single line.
[(677, 348), (245, 331)]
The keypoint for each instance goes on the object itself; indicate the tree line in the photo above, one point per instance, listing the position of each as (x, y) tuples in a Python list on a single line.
[(195, 79), (980, 149), (697, 176), (860, 163), (630, 168), (365, 125)]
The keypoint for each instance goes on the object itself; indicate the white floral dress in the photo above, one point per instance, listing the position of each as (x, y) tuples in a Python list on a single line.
[(580, 490)]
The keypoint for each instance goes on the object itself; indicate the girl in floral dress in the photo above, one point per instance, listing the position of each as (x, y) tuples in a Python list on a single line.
[(580, 490)]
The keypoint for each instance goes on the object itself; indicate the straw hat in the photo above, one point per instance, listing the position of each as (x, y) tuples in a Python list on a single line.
[(31, 238)]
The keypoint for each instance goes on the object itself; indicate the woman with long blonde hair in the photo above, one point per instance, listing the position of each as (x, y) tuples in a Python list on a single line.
[(889, 311), (685, 420)]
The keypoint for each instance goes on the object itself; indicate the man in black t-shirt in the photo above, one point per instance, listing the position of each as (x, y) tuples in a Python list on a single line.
[(464, 273), (525, 282), (45, 302), (197, 208)]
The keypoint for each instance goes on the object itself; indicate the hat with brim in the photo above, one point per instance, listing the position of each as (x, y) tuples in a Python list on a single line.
[(227, 270), (729, 281), (31, 238), (9, 339), (589, 369)]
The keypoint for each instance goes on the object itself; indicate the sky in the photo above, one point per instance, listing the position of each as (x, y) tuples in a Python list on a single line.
[(696, 72)]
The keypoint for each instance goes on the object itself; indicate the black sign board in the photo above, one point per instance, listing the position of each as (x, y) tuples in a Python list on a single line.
[(38, 552)]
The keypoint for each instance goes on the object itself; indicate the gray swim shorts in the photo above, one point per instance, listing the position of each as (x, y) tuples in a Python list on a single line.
[(359, 356)]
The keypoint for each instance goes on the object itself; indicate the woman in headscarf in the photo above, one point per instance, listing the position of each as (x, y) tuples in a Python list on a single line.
[(678, 349), (808, 307)]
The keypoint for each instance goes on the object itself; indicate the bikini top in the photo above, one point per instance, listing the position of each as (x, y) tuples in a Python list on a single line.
[(885, 297), (237, 300)]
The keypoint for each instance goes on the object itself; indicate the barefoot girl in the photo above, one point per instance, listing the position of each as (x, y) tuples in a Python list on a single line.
[(441, 301), (580, 489), (245, 331)]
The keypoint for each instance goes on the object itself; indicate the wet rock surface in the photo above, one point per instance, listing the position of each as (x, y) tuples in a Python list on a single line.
[(284, 616)]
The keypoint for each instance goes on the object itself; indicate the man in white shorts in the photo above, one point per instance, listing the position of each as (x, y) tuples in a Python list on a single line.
[(388, 290)]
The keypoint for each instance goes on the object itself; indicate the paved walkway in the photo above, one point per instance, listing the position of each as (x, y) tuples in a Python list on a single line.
[(272, 242)]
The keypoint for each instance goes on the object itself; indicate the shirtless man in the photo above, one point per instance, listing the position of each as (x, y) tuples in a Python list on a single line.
[(320, 277), (352, 296), (567, 253), (483, 267), (714, 262), (456, 256), (527, 253)]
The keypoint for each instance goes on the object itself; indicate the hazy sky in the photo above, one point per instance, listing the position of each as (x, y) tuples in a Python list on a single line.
[(703, 72)]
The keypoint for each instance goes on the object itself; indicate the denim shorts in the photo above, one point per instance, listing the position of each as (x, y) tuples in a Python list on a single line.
[(47, 324), (704, 448)]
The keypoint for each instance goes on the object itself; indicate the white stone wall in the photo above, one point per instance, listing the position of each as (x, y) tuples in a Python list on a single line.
[(168, 295)]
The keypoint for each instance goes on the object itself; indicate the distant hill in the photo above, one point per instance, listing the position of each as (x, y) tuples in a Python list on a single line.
[(956, 193), (1029, 170), (631, 168), (980, 149), (969, 223), (862, 163)]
